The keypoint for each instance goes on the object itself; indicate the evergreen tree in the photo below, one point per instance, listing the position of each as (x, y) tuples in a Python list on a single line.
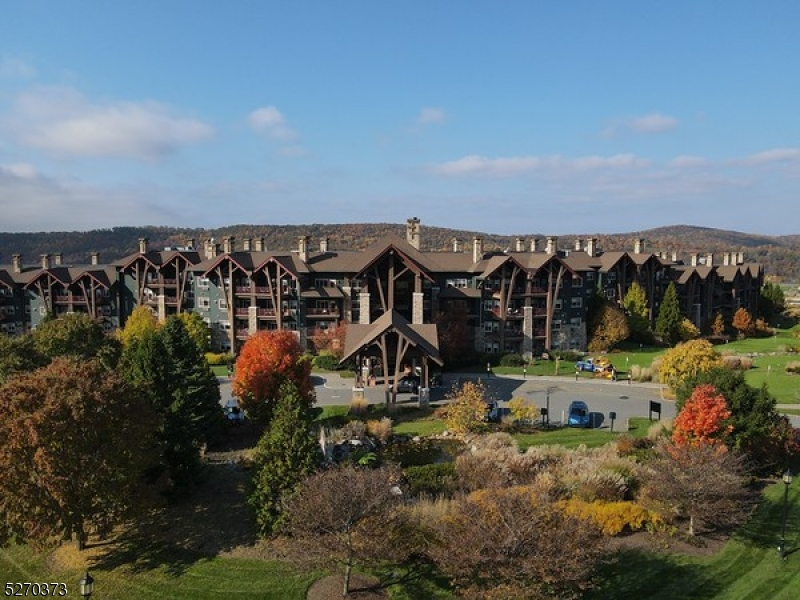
[(285, 454), (169, 365), (668, 323), (773, 302)]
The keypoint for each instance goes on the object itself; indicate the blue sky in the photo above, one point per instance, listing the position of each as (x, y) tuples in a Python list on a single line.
[(502, 117)]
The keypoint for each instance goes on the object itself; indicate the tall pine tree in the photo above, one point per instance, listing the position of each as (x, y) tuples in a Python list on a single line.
[(285, 454), (170, 366), (668, 323)]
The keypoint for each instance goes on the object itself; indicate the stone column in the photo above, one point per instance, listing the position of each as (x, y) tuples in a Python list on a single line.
[(252, 319), (363, 312), (416, 309), (527, 332)]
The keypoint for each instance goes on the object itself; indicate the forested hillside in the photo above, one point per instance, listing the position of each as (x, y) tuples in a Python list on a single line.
[(780, 255)]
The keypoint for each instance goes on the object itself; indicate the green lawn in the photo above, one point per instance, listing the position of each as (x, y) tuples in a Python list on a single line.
[(212, 578), (747, 567)]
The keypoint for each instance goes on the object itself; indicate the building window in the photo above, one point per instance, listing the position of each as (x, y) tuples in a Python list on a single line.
[(222, 303), (203, 283), (457, 283), (590, 276), (611, 294), (203, 303), (576, 302), (612, 275), (558, 303), (577, 282)]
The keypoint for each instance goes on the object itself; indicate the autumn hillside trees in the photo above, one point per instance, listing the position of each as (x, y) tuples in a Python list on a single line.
[(265, 362), (74, 442)]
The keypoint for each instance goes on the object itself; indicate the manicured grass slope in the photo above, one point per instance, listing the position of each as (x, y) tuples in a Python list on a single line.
[(748, 567)]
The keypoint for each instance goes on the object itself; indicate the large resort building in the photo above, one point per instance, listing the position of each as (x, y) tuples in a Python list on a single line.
[(526, 299)]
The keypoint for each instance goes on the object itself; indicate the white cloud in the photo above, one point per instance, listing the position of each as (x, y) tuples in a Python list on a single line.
[(271, 122), (652, 123), (20, 170), (430, 115), (644, 124), (61, 121), (688, 160), (32, 202), (774, 155), (12, 66), (521, 165)]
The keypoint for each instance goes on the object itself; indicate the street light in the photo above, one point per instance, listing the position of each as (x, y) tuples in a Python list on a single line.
[(86, 585), (787, 480)]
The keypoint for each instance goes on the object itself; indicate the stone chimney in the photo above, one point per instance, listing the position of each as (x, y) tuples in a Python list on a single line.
[(709, 260), (16, 263), (247, 244), (591, 246), (740, 258), (228, 244), (412, 232), (302, 247), (323, 244), (211, 249), (190, 243), (456, 245), (477, 249), (726, 259), (258, 244), (143, 245), (534, 245), (58, 259), (693, 259), (94, 258), (552, 245), (638, 246), (45, 261), (578, 245), (520, 245), (674, 256)]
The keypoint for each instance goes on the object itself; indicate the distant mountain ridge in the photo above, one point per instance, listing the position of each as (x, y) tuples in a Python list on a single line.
[(780, 255)]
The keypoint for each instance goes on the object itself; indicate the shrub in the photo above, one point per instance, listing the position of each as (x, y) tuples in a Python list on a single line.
[(431, 480), (600, 484), (353, 430), (495, 441), (793, 367), (358, 405), (216, 359), (381, 430), (640, 373), (741, 363), (325, 361), (512, 360), (688, 331), (467, 410), (521, 409), (568, 355), (613, 517)]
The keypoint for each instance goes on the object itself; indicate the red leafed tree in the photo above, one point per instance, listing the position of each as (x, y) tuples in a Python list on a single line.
[(743, 322), (265, 362), (330, 340), (703, 419)]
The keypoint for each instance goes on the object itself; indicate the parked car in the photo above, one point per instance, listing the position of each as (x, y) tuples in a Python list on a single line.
[(408, 385), (436, 380), (585, 365), (233, 412), (578, 414)]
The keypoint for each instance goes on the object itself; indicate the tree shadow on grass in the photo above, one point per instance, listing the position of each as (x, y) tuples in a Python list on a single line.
[(639, 574), (213, 519)]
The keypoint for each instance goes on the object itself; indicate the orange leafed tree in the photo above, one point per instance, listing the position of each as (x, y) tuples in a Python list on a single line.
[(265, 362), (703, 419), (330, 340), (743, 322)]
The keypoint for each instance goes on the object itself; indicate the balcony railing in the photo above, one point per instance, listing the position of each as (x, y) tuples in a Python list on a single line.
[(322, 312)]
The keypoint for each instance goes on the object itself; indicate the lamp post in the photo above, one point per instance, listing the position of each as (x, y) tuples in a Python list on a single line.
[(86, 585), (787, 480)]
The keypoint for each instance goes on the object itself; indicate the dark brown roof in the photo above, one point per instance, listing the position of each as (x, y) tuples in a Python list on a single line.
[(422, 336)]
